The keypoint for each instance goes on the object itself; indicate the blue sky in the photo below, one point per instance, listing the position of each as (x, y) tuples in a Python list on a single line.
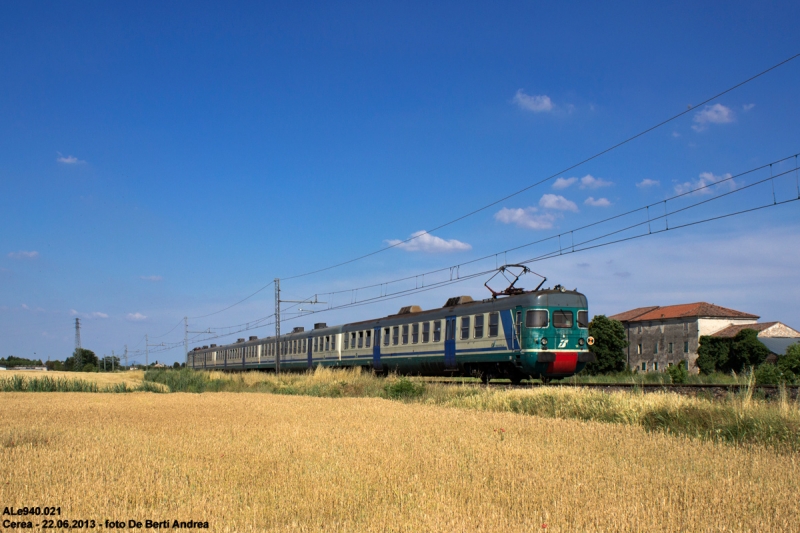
[(167, 160)]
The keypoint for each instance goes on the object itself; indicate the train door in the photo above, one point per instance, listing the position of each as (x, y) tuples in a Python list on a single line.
[(518, 328), (308, 353), (376, 349), (450, 343)]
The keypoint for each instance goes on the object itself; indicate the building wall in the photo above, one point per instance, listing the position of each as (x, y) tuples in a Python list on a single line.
[(649, 342)]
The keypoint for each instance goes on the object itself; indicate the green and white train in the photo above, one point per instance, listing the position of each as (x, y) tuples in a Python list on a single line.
[(538, 334)]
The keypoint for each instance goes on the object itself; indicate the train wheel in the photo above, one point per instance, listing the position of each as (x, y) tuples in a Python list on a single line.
[(515, 380), (486, 377)]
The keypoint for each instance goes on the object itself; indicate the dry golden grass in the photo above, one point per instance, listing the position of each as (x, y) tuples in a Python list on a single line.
[(255, 462), (131, 378)]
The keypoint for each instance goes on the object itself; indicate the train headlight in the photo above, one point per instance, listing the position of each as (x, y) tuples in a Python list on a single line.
[(544, 342), (580, 341)]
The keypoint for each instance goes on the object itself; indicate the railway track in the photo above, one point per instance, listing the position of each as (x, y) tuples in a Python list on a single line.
[(689, 389)]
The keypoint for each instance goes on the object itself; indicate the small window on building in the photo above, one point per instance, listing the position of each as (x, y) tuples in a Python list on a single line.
[(386, 336), (426, 331), (437, 330), (644, 366), (562, 319), (686, 326), (639, 349), (655, 348), (414, 333), (669, 348), (465, 327), (639, 328), (583, 319), (368, 339), (655, 366), (360, 339), (494, 321), (478, 326), (396, 335), (537, 319), (685, 346)]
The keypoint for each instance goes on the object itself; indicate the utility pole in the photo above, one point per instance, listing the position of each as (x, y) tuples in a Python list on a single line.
[(186, 340), (277, 326), (146, 351), (76, 362), (126, 355), (112, 360)]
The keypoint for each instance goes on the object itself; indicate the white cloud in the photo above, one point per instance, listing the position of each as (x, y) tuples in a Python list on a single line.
[(563, 183), (525, 218), (748, 107), (590, 182), (554, 201), (136, 316), (425, 242), (705, 179), (26, 307), (676, 134), (23, 255), (715, 114), (96, 314), (600, 202), (69, 160), (537, 103), (647, 182), (151, 278)]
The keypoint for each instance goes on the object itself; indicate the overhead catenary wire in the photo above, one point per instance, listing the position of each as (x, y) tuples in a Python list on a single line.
[(552, 176), (574, 248)]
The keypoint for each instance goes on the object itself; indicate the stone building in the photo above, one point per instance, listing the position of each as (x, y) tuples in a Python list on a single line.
[(659, 337)]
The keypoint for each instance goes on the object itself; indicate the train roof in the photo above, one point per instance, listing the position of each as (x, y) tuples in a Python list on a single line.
[(463, 305)]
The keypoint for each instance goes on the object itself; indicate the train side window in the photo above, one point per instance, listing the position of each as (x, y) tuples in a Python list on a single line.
[(562, 319), (537, 319), (426, 331), (316, 344), (360, 339), (414, 333), (327, 343), (395, 336), (368, 341), (386, 336), (465, 320), (437, 330), (333, 342), (352, 341), (494, 321), (583, 319), (405, 334), (478, 326)]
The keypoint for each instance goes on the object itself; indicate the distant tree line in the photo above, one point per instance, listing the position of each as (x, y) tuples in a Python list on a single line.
[(12, 361)]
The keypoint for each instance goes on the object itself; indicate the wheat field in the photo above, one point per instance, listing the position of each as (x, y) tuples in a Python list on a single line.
[(131, 378), (260, 462)]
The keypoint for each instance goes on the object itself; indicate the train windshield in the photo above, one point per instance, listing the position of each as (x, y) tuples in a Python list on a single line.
[(536, 319), (583, 319), (562, 319)]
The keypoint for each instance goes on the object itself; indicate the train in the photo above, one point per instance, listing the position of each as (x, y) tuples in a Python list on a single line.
[(540, 334)]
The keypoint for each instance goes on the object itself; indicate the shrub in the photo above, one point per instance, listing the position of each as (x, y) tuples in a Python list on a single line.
[(88, 368), (403, 388), (678, 373), (768, 374)]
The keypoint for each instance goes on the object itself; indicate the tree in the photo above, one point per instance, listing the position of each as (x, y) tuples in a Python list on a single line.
[(176, 365), (609, 345), (789, 364), (725, 354), (80, 357)]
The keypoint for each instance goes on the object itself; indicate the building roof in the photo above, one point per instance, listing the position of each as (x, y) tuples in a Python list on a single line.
[(779, 330), (733, 330), (699, 309)]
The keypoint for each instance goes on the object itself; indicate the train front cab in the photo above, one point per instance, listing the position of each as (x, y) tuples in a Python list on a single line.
[(554, 336)]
